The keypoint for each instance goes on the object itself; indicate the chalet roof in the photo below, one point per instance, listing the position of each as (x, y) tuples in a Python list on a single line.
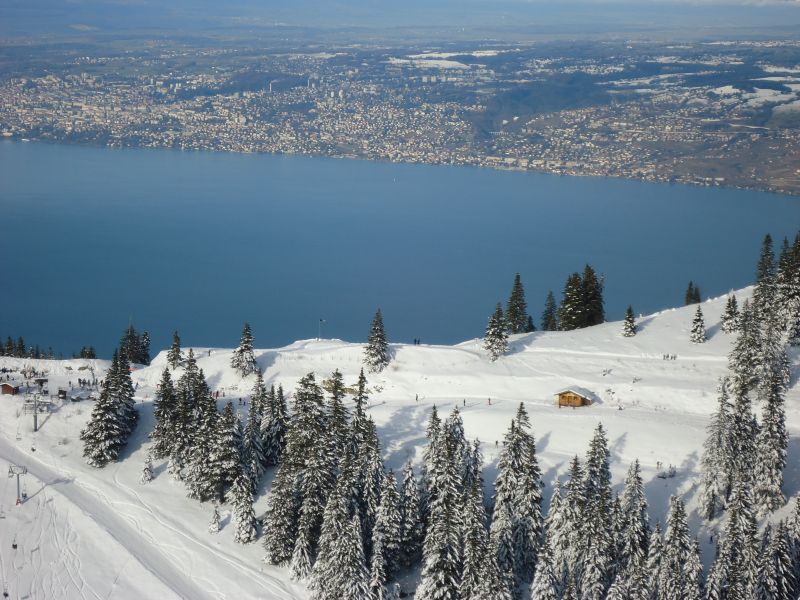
[(582, 392)]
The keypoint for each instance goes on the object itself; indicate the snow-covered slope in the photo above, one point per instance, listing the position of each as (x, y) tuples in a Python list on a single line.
[(88, 533)]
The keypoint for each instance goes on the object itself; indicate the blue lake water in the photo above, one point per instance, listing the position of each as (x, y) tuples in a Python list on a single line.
[(201, 242)]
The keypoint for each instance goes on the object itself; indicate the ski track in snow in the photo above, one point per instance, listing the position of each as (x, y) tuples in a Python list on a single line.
[(149, 557)]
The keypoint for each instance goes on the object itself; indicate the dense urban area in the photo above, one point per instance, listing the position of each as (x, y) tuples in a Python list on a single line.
[(709, 113)]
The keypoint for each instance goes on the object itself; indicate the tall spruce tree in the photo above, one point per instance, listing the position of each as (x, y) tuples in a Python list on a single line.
[(244, 516), (474, 541), (274, 423), (729, 323), (572, 312), (550, 313), (698, 331), (376, 353), (255, 458), (738, 557), (517, 308), (175, 356), (764, 297), (777, 577), (244, 360), (635, 530), (629, 324), (412, 530), (386, 540), (718, 460), (771, 444), (678, 546), (496, 337), (164, 412), (592, 292), (692, 294)]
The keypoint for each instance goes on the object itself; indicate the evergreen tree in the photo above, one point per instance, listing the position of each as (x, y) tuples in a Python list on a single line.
[(729, 322), (164, 412), (629, 324), (335, 520), (550, 314), (376, 353), (244, 516), (474, 542), (243, 359), (764, 293), (113, 417), (274, 424), (742, 435), (282, 515), (592, 292), (175, 356), (572, 312), (412, 531), (253, 449), (635, 529), (718, 461), (545, 582), (338, 428), (353, 577), (692, 294), (771, 445), (698, 333), (678, 547), (442, 548), (214, 525), (496, 337), (225, 455), (777, 579), (386, 539), (738, 562), (201, 474), (147, 470), (517, 308), (529, 325), (655, 552)]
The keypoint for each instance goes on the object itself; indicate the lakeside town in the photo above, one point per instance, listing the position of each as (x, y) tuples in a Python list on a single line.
[(707, 113)]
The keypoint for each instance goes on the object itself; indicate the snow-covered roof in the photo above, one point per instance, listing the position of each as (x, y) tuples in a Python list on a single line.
[(582, 392)]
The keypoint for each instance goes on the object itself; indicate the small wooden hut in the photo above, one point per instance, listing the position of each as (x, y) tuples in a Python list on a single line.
[(574, 397), (9, 389)]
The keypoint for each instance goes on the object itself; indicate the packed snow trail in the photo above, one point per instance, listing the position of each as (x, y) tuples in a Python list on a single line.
[(149, 557)]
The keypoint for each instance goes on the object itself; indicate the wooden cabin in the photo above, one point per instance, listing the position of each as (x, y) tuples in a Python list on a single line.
[(9, 389), (574, 397)]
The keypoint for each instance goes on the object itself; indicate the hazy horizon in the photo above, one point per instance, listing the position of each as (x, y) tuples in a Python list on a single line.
[(20, 18)]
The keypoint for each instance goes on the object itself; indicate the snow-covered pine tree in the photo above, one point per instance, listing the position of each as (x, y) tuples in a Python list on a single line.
[(575, 502), (274, 424), (764, 297), (147, 470), (370, 483), (597, 521), (546, 581), (338, 429), (496, 337), (777, 578), (106, 432), (655, 553), (214, 524), (738, 558), (771, 444), (742, 434), (556, 529), (386, 538), (698, 331), (550, 313), (441, 569), (163, 434), (629, 324), (474, 542), (517, 308), (303, 555), (376, 352), (693, 571), (635, 529), (412, 531), (717, 460), (282, 516), (352, 576), (678, 546), (742, 358), (225, 456), (729, 323), (335, 519), (572, 312), (175, 356), (200, 476), (503, 522), (254, 456), (244, 360), (244, 515)]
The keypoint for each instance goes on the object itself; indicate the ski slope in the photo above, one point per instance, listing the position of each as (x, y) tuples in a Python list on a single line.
[(88, 533)]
